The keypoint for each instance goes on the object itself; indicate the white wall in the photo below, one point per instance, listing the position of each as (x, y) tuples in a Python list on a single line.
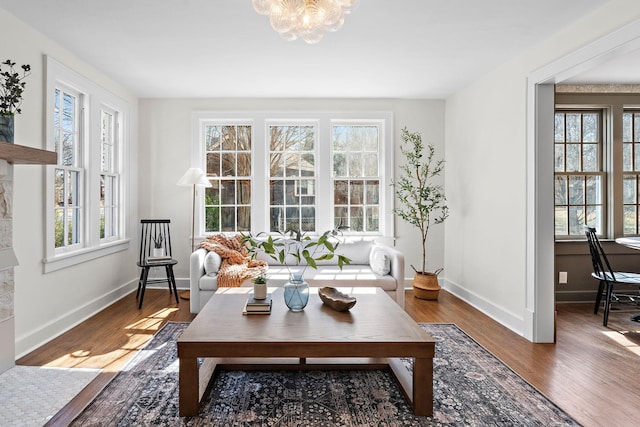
[(48, 304), (486, 148), (165, 138)]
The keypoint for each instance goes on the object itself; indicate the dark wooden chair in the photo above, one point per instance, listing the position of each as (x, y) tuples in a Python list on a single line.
[(155, 251), (605, 274)]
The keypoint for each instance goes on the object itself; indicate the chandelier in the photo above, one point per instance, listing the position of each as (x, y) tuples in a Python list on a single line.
[(307, 19)]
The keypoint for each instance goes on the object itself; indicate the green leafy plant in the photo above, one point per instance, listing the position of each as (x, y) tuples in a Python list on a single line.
[(292, 247), (424, 203), (12, 87), (261, 279)]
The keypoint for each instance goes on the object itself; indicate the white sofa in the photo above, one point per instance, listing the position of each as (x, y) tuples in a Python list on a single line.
[(372, 264)]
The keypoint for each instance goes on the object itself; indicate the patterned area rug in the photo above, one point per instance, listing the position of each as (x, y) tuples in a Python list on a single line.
[(471, 388)]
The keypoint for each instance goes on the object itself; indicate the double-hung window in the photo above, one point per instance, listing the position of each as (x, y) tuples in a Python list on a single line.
[(69, 172), (86, 126), (305, 171), (356, 176), (292, 177), (109, 174), (228, 168), (580, 177)]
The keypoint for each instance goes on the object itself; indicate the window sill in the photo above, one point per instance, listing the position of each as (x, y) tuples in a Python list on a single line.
[(78, 257)]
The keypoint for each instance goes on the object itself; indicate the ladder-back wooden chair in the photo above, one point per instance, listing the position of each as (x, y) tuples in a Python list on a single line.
[(155, 251)]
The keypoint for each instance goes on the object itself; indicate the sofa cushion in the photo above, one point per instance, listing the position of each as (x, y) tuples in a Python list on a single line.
[(350, 275), (212, 263), (379, 261), (356, 251)]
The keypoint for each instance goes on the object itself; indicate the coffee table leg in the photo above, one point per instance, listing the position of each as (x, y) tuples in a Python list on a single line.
[(188, 387), (423, 387)]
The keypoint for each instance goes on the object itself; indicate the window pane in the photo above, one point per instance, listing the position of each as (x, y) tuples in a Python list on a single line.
[(561, 221), (626, 127), (590, 128), (573, 128), (576, 220), (356, 196), (277, 192), (373, 192), (576, 190), (356, 218), (228, 164), (228, 138), (559, 158), (561, 190), (573, 158), (593, 190), (559, 127), (244, 218), (590, 161), (627, 157), (370, 164), (629, 189), (340, 192), (373, 218), (339, 165), (355, 165), (228, 218), (630, 220)]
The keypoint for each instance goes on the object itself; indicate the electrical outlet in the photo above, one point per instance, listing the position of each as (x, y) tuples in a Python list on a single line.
[(562, 277)]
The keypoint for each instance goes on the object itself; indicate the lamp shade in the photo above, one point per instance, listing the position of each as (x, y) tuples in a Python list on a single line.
[(194, 176)]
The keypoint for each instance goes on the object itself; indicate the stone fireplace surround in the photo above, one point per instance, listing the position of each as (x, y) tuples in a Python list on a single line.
[(10, 155)]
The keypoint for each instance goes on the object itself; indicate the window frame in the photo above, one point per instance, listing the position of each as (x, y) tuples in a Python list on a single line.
[(95, 98), (260, 122), (604, 145)]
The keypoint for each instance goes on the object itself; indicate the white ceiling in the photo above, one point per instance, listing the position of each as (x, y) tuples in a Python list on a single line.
[(223, 48)]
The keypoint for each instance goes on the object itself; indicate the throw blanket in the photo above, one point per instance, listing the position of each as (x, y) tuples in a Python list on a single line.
[(236, 264)]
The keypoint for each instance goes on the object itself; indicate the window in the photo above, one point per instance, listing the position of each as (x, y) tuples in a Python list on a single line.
[(69, 172), (109, 177), (579, 174), (85, 188), (228, 201), (307, 171), (292, 177), (356, 179)]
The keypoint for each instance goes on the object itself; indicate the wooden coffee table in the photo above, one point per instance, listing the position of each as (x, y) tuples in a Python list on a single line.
[(372, 335)]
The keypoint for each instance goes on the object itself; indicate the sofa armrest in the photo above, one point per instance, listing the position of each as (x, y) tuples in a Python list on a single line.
[(196, 271), (396, 262)]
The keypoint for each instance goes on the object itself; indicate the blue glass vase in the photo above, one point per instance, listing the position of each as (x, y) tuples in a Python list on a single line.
[(296, 292)]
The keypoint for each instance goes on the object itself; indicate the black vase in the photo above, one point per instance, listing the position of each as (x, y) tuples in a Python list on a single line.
[(6, 128)]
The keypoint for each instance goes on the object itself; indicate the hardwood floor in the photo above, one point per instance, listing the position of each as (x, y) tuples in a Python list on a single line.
[(592, 372)]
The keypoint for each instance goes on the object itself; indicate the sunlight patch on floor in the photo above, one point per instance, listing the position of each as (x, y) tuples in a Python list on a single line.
[(622, 338)]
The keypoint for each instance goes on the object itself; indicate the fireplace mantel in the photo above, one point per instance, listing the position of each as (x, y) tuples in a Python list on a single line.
[(23, 155)]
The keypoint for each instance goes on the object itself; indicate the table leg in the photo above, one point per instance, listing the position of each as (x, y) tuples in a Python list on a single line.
[(189, 402), (423, 386)]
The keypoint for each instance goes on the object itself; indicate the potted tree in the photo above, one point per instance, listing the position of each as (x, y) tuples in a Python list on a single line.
[(423, 203)]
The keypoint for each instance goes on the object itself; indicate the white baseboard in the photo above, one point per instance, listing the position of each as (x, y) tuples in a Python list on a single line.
[(66, 321), (505, 318)]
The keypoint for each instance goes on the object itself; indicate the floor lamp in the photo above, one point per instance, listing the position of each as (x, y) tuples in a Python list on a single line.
[(192, 178)]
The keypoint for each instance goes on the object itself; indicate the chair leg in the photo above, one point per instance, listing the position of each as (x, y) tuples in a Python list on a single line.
[(598, 297), (172, 282), (607, 304), (145, 275), (140, 283)]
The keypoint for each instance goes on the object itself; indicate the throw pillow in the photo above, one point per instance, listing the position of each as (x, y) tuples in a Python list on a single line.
[(212, 263), (379, 261)]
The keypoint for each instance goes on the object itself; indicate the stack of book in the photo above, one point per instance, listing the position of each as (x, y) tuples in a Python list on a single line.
[(257, 306)]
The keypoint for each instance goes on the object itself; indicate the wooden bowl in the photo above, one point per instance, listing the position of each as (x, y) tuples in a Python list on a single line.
[(336, 299)]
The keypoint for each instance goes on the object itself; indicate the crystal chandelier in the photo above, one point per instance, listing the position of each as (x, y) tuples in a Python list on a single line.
[(307, 19)]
